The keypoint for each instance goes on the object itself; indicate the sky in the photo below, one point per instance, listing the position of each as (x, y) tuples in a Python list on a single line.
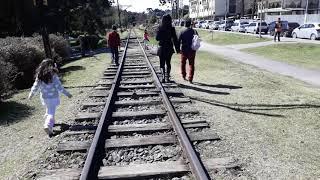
[(142, 5)]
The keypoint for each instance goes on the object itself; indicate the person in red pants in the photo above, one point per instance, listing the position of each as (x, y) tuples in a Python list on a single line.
[(187, 53)]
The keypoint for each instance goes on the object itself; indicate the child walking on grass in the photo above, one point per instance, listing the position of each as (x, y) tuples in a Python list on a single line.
[(146, 39), (49, 85)]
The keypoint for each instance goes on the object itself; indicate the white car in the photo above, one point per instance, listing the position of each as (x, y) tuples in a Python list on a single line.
[(199, 24), (239, 26), (206, 24), (215, 25), (254, 27), (309, 30)]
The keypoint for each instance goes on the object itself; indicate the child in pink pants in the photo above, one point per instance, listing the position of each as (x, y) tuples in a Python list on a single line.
[(49, 85)]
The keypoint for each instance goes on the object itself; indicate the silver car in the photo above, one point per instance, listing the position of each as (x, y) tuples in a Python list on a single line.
[(254, 27), (239, 26), (215, 25)]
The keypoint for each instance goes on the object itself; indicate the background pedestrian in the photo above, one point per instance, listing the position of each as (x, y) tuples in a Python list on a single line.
[(278, 29), (114, 44), (146, 39)]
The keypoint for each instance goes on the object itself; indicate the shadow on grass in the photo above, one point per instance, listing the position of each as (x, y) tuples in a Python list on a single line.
[(71, 68), (202, 90), (222, 86), (252, 108), (12, 112)]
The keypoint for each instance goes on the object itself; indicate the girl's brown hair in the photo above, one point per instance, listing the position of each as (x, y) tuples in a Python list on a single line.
[(46, 70)]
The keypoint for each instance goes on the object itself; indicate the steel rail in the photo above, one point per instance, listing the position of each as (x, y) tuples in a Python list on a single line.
[(92, 164), (197, 167)]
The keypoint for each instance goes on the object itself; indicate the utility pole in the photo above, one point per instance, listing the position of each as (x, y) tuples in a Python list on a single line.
[(306, 12), (119, 13), (260, 7), (41, 4), (225, 16)]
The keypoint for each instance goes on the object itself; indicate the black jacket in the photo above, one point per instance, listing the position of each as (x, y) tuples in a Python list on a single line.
[(185, 39), (167, 39)]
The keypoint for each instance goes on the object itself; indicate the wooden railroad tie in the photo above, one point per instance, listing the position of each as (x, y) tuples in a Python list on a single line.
[(150, 127), (136, 141), (142, 170), (136, 102)]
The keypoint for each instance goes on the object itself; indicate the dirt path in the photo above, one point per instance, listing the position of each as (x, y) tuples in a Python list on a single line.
[(310, 76)]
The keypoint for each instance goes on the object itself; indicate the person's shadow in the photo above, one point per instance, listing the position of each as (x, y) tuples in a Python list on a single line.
[(222, 86), (196, 87)]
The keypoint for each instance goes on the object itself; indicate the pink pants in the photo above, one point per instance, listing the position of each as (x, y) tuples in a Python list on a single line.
[(49, 116), (51, 106)]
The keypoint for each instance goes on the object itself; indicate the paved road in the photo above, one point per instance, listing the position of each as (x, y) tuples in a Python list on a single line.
[(310, 76), (269, 37), (258, 44)]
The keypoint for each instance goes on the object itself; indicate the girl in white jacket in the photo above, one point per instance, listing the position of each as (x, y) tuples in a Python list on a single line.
[(49, 85)]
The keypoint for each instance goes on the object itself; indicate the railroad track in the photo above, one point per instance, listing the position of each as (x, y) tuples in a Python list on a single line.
[(133, 126)]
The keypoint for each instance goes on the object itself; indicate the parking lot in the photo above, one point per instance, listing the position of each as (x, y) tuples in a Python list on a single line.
[(309, 31)]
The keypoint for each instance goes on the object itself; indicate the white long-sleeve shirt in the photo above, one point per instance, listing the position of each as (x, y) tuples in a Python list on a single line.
[(50, 90)]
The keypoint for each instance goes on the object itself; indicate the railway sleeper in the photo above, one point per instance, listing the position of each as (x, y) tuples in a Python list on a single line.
[(136, 102), (136, 94), (143, 170), (131, 114), (138, 128), (137, 141)]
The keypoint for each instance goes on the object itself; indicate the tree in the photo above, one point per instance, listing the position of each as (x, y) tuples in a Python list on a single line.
[(153, 19)]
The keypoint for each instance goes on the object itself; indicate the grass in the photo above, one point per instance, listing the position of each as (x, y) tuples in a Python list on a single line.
[(269, 122), (305, 55), (222, 38), (22, 138), (152, 39)]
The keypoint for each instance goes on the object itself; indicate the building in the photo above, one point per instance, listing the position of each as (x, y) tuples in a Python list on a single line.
[(218, 9), (213, 9), (291, 10)]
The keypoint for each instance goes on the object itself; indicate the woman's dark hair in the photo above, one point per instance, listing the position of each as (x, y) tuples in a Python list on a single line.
[(188, 22), (46, 70), (166, 22)]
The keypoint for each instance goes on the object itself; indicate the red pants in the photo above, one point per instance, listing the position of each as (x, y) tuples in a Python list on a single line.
[(184, 57)]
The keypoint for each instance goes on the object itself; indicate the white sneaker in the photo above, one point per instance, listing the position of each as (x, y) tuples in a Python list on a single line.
[(48, 130)]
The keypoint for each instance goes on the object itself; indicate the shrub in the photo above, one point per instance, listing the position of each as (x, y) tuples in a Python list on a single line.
[(8, 74), (60, 46), (23, 56)]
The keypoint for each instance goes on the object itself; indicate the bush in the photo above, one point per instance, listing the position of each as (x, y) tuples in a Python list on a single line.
[(7, 74), (21, 56), (60, 46)]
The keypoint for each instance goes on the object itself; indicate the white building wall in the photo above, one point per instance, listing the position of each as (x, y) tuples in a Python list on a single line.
[(294, 18), (202, 8)]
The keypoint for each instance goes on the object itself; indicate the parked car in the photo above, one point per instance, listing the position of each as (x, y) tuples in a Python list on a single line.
[(239, 26), (309, 30), (254, 27), (287, 28), (182, 23), (206, 24), (199, 24), (215, 25), (226, 25)]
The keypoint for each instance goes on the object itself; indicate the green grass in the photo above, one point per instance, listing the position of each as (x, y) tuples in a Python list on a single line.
[(305, 55), (269, 122), (221, 38), (21, 118), (152, 39)]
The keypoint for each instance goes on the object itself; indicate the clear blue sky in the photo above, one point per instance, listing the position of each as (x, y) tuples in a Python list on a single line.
[(142, 5)]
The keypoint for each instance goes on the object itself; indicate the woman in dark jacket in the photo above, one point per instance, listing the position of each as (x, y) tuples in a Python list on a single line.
[(167, 37)]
